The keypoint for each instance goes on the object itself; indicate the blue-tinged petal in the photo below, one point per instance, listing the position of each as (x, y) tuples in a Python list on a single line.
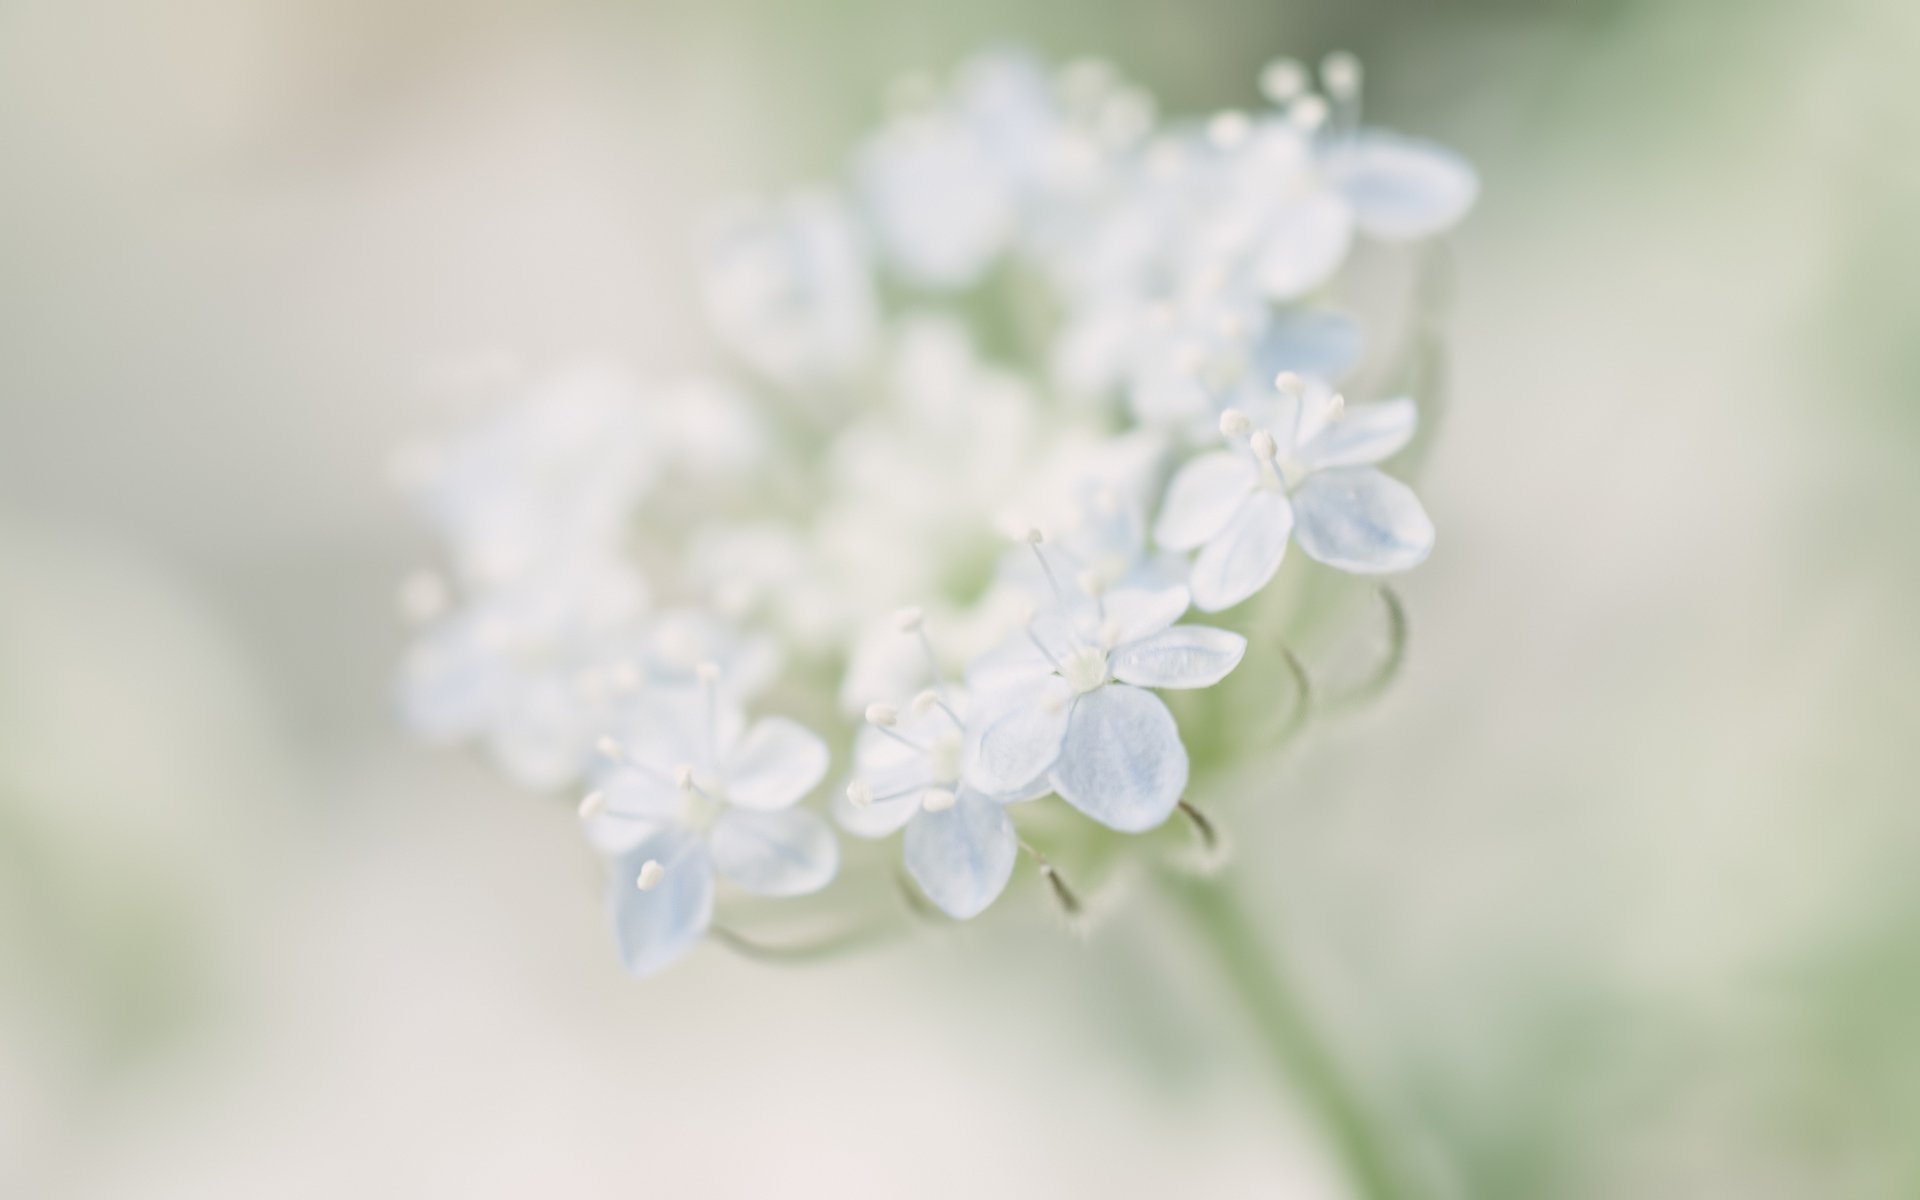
[(1363, 435), (656, 927), (1122, 762), (1360, 520), (1241, 560), (1202, 498), (1017, 737), (634, 805), (1186, 656), (962, 857), (1319, 343), (1137, 612), (777, 762), (1013, 664), (786, 853), (1304, 246), (1401, 188)]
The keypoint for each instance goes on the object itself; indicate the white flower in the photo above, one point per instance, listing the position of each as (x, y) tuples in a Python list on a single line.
[(789, 289), (690, 792), (1066, 697), (909, 773), (1300, 469)]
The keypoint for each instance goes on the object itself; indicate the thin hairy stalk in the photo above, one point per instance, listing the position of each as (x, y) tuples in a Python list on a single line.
[(1219, 924), (1389, 667), (1203, 826)]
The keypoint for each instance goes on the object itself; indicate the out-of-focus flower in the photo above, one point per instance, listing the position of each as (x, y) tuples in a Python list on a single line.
[(691, 790), (789, 289), (1300, 469)]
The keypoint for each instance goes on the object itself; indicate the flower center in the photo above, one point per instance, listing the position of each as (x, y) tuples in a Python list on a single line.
[(699, 799), (1084, 668), (943, 758)]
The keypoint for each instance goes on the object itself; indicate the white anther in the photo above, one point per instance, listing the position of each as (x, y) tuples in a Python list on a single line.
[(1034, 535), (1308, 113), (859, 793), (593, 805), (649, 877), (938, 799), (1228, 129), (683, 777), (882, 715), (924, 702), (909, 619), (1336, 406), (423, 596), (1290, 383), (1264, 447), (609, 749), (1282, 80), (1092, 582), (1340, 71), (708, 672), (1235, 424)]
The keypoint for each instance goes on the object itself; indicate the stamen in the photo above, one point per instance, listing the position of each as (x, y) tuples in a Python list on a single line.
[(1235, 424), (650, 873), (1283, 80), (1034, 539), (929, 700), (1308, 113), (610, 750), (1289, 383), (1044, 652), (882, 715), (1063, 895), (1263, 446), (593, 805), (936, 799), (859, 793)]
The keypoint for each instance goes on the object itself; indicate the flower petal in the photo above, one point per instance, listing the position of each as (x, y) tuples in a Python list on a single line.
[(1241, 560), (1320, 343), (1018, 736), (655, 928), (787, 853), (1363, 435), (1122, 763), (1202, 498), (1186, 656), (1137, 612), (962, 857), (635, 805), (778, 762), (1360, 520), (1014, 664), (1402, 188), (1304, 246)]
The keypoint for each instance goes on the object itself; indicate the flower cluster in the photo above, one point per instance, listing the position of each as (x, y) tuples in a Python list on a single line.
[(1040, 375)]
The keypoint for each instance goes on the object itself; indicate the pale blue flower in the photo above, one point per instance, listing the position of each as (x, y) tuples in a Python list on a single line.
[(1066, 698), (692, 792), (1300, 469), (910, 773)]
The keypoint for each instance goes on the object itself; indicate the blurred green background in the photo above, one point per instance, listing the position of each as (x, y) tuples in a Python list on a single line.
[(1614, 896)]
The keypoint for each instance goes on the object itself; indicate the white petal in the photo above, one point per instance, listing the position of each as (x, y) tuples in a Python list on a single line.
[(1244, 557), (778, 762), (1018, 737), (1402, 188), (655, 928), (1137, 612), (1364, 434), (1122, 763), (634, 806), (1319, 343), (1362, 521), (1186, 656), (963, 857), (788, 853), (1202, 498), (1013, 664), (1304, 246)]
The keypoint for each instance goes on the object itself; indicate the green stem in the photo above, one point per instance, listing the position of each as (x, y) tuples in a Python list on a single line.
[(1219, 920)]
